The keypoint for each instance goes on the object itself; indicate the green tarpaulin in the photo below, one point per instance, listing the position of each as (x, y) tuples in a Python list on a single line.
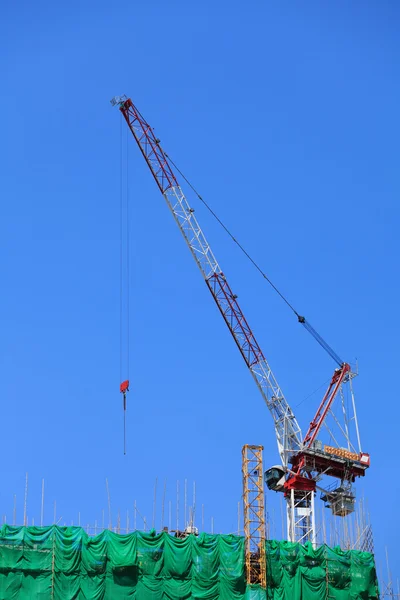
[(64, 563)]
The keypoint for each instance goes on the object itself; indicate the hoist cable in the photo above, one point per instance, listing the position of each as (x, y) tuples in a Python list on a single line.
[(124, 319), (120, 253), (127, 260), (124, 423), (127, 283), (300, 318)]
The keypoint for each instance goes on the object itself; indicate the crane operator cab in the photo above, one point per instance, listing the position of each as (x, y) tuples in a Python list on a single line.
[(275, 478)]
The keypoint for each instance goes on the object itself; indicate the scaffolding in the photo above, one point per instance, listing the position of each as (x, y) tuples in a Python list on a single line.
[(254, 514)]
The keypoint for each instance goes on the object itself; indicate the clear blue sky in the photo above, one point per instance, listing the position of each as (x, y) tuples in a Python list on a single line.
[(285, 116)]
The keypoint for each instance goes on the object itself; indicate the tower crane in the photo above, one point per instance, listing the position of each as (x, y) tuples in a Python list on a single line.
[(304, 461)]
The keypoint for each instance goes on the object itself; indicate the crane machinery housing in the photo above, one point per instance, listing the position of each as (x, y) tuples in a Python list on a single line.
[(306, 461)]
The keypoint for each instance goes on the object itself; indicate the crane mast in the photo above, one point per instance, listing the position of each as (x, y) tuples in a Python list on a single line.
[(288, 433)]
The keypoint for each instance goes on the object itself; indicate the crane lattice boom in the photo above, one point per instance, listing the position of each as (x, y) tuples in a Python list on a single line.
[(287, 429)]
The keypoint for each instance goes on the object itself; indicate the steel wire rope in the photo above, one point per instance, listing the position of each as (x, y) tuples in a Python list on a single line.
[(121, 270), (301, 319), (124, 303), (127, 259), (127, 280), (312, 393), (250, 258), (120, 251)]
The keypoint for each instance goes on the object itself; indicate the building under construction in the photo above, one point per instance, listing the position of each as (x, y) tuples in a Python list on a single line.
[(68, 563), (65, 563)]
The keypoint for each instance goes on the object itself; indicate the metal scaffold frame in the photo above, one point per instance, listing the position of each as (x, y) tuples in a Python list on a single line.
[(254, 514)]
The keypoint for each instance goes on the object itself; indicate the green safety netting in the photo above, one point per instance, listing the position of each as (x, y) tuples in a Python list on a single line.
[(296, 571), (65, 563)]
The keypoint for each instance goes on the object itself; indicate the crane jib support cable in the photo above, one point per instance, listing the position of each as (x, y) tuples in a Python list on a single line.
[(153, 150), (287, 430), (321, 341), (300, 318)]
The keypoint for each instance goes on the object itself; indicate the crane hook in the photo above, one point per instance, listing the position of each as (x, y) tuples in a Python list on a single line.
[(123, 388)]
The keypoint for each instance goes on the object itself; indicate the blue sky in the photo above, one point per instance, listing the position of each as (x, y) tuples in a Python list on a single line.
[(285, 117)]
